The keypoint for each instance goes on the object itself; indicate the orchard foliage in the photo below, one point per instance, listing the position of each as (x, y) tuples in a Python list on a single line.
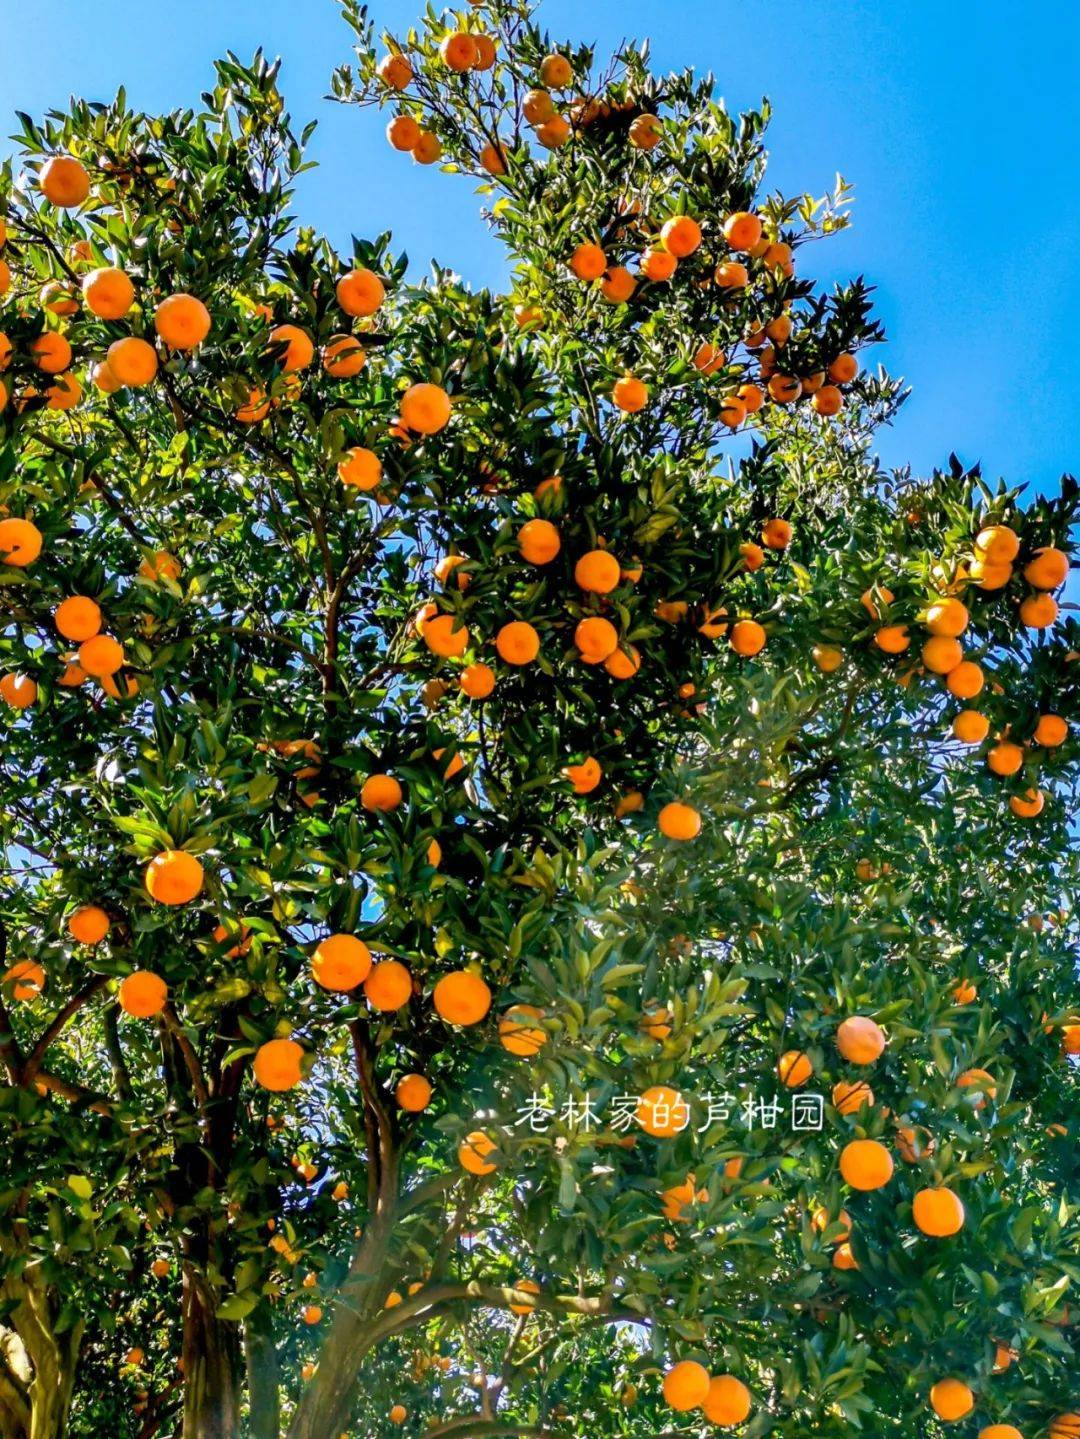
[(451, 738)]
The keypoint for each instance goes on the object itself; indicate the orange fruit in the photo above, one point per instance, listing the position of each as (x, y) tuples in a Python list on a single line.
[(989, 576), (51, 352), (398, 1414), (965, 992), (1047, 569), (827, 400), (174, 877), (25, 979), (849, 1097), (679, 821), (661, 1112), (742, 230), (538, 541), (776, 534), (645, 132), (380, 792), (361, 292), (681, 236), (947, 617), (20, 542), (970, 727), (108, 293), (312, 1314), (1005, 758), (458, 51), (395, 71), (584, 777), (445, 636), (361, 468), (951, 1400), (752, 397), (618, 285), (477, 681), (658, 265), (937, 1212), (388, 986), (630, 394), (597, 572), (276, 1065), (343, 356), (731, 275), (1000, 1431), (1051, 731), (474, 1153), (403, 132), (727, 1402), (828, 658), (101, 655), (413, 1093), (596, 639), (866, 1164), (893, 639), (132, 362), (538, 107), (981, 1082), (794, 1068), (709, 358), (160, 1268), (517, 643), (19, 691), (88, 925), (340, 962), (77, 618), (518, 1035), (1039, 611), (254, 409), (291, 347), (686, 1386), (1065, 1426), (747, 638), (428, 148), (556, 72), (182, 321), (623, 664), (461, 997), (860, 1040), (588, 262), (160, 566), (64, 182), (1029, 804), (425, 408), (965, 681), (143, 994), (998, 544), (843, 369)]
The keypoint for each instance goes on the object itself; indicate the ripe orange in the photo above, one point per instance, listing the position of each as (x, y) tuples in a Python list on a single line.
[(174, 877), (1051, 731), (143, 994), (474, 1153), (51, 352), (312, 1314), (361, 292), (108, 293), (828, 658), (709, 358), (776, 534), (866, 1164), (88, 925), (445, 636), (517, 643), (64, 182), (425, 408), (394, 71), (645, 132), (20, 542), (742, 230), (182, 321), (623, 664), (413, 1093), (794, 1068), (477, 681), (340, 962), (291, 347), (618, 285), (398, 1414), (679, 821), (458, 51), (388, 986), (554, 133), (1039, 611), (160, 566), (998, 544), (965, 992), (556, 72), (597, 572), (630, 394), (893, 639), (951, 1400), (937, 1212), (343, 357), (681, 236), (26, 980), (19, 691), (101, 655), (461, 997), (403, 133), (518, 1035), (494, 162), (784, 389), (731, 275), (380, 792), (596, 639), (827, 399), (860, 1040), (277, 1064), (658, 265), (160, 1268), (132, 362), (361, 468), (727, 1402), (965, 681), (1005, 758), (970, 727), (947, 617), (1029, 804), (77, 618), (981, 1082), (686, 1386), (849, 1097), (1000, 1431), (843, 369), (588, 262), (538, 107), (843, 1258), (661, 1112), (538, 541), (428, 148), (989, 576), (1047, 569), (526, 1286), (747, 638)]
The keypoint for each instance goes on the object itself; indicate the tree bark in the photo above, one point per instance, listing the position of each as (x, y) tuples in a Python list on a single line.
[(211, 1400), (37, 1366), (263, 1375)]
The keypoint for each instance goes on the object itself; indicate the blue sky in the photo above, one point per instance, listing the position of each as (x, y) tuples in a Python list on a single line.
[(957, 123)]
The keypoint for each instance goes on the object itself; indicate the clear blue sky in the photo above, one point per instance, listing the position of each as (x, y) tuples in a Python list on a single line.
[(956, 121)]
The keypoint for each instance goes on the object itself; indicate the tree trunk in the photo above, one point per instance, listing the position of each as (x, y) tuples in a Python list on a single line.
[(37, 1366), (211, 1402), (263, 1375)]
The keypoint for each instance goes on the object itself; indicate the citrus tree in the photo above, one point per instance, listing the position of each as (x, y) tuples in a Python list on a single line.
[(538, 886)]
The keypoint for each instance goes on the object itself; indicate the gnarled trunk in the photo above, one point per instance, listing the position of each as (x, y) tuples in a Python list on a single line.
[(37, 1365), (211, 1399)]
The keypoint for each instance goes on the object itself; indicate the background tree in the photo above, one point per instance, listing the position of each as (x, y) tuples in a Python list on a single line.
[(429, 712)]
